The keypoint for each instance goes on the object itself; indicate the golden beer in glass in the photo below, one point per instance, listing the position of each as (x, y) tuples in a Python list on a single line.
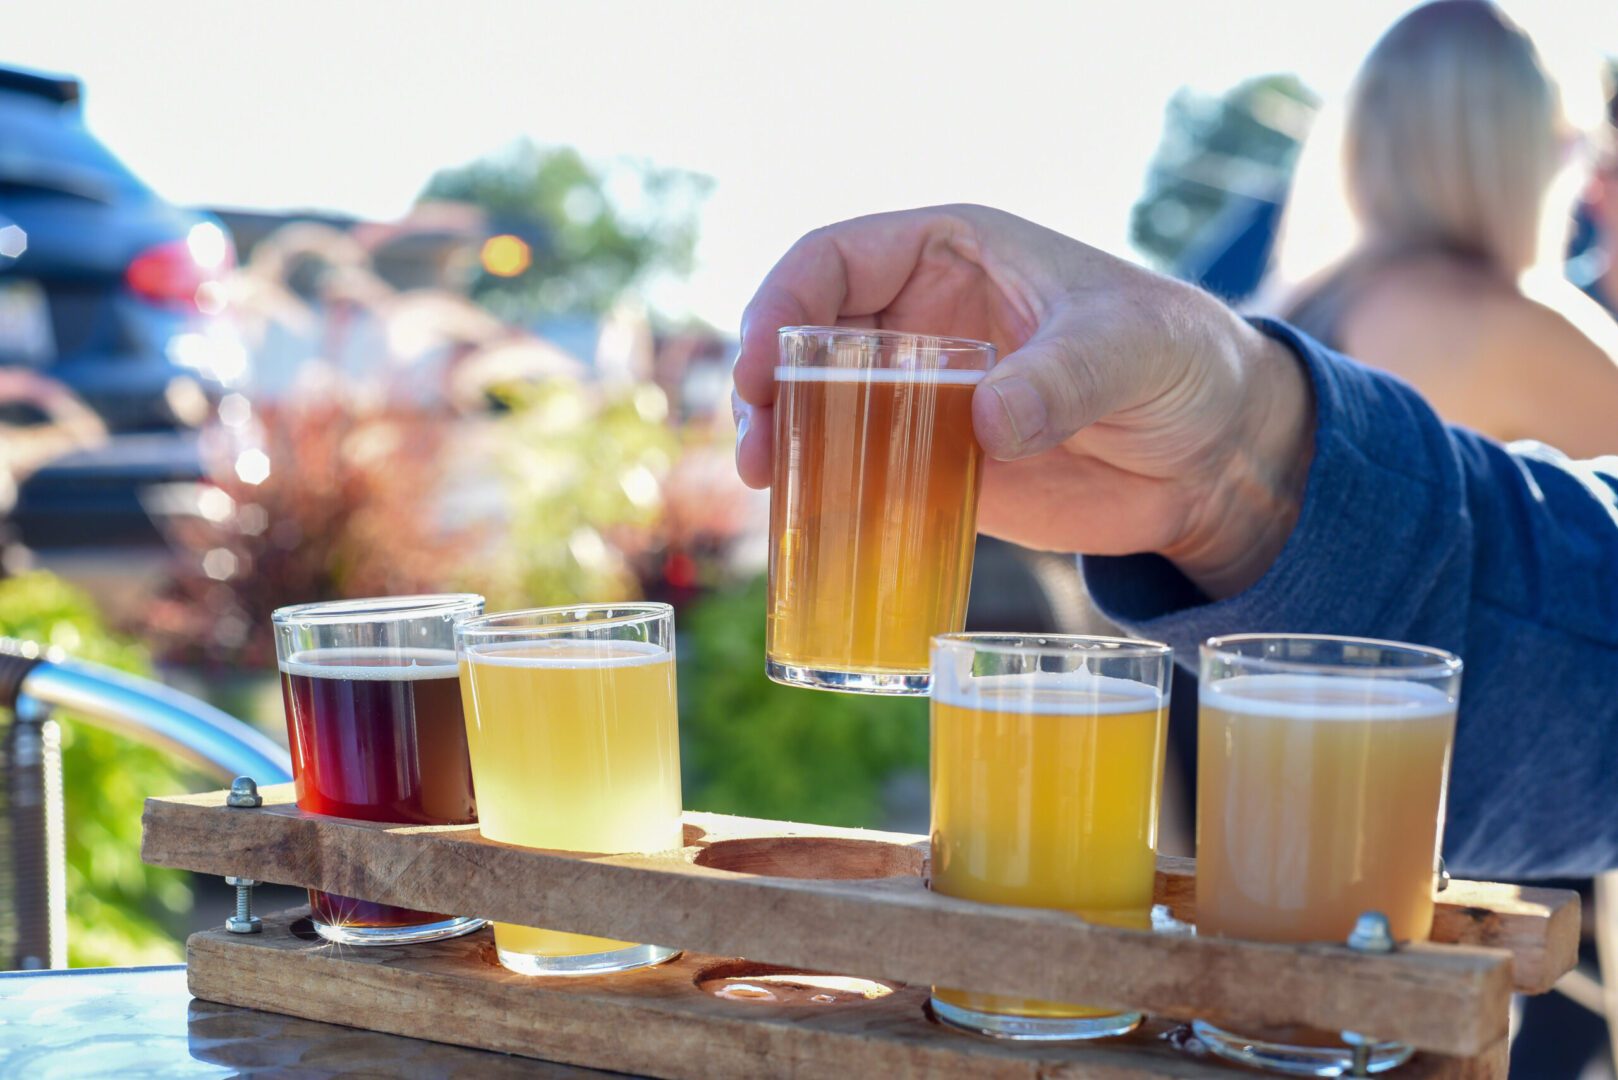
[(574, 739), (1322, 764), (1047, 767), (873, 505)]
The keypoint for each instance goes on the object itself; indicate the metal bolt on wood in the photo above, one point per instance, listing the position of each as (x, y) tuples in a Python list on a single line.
[(244, 921), (244, 794), (1371, 934)]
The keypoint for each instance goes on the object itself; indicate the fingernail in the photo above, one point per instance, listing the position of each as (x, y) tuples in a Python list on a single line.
[(1024, 408), (744, 420)]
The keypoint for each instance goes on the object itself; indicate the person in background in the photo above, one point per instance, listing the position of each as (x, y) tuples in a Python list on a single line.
[(1456, 172), (1598, 268)]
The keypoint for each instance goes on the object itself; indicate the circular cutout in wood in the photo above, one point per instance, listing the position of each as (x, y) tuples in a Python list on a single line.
[(748, 983), (819, 857)]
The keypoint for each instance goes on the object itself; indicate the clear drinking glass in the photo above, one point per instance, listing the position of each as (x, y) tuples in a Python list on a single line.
[(1322, 764), (373, 708), (571, 718), (873, 505), (1047, 765)]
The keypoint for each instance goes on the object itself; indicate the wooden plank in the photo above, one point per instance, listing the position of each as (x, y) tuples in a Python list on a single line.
[(657, 1022), (1539, 927), (1447, 999)]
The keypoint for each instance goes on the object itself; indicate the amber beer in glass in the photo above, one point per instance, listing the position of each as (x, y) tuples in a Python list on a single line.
[(373, 713), (1322, 763), (575, 744), (873, 504), (1047, 766)]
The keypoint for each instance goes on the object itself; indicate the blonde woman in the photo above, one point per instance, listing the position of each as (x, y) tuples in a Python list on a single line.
[(1456, 171)]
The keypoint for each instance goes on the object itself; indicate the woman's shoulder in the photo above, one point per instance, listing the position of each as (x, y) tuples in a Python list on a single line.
[(1442, 303), (1417, 307)]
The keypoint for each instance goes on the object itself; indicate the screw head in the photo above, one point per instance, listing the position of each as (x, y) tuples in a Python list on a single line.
[(238, 881), (244, 794), (1371, 933), (250, 925)]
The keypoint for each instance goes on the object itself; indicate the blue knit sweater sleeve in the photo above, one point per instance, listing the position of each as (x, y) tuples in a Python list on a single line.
[(1507, 556)]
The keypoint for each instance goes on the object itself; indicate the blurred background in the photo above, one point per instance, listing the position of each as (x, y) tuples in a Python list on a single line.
[(322, 300)]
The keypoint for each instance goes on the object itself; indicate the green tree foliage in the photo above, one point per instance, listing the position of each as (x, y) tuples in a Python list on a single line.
[(752, 747), (579, 461), (1244, 142), (597, 230), (120, 911)]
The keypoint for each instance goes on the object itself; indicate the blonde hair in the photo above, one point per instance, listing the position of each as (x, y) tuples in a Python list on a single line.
[(1453, 140)]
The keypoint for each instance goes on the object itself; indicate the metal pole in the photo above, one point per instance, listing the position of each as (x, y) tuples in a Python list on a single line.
[(156, 715), (32, 753), (33, 898)]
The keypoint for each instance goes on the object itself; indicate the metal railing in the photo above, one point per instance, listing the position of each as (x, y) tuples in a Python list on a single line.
[(34, 682)]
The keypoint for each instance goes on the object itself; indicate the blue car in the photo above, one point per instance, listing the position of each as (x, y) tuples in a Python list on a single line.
[(117, 294)]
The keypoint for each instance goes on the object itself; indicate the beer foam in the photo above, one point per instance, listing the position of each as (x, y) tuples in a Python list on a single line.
[(1050, 693), (569, 653), (787, 373), (1327, 697), (373, 664)]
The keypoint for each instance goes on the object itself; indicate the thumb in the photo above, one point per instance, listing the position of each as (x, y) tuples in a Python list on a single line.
[(1060, 381)]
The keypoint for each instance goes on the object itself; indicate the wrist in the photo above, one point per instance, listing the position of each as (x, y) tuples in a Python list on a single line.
[(1249, 510)]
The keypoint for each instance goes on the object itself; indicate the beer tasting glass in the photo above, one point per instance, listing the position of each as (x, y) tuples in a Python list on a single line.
[(373, 709), (1047, 764), (570, 714), (1320, 796), (873, 504)]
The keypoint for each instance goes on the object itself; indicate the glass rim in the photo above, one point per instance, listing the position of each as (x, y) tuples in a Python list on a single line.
[(1060, 644), (374, 609), (940, 342), (1440, 662), (543, 620)]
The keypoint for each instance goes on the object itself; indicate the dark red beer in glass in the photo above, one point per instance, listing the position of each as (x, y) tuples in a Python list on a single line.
[(374, 719)]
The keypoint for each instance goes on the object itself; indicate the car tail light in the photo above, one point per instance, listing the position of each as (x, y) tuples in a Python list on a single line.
[(187, 272)]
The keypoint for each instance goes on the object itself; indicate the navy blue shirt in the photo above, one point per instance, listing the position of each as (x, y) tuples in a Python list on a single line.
[(1507, 556)]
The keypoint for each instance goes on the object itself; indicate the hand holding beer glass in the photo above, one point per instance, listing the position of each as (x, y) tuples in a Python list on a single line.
[(1320, 796), (1047, 764), (373, 709), (873, 506), (574, 736)]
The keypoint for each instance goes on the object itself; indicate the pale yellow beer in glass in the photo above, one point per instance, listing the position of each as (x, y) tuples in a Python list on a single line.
[(1322, 764), (1047, 767), (873, 504), (574, 741)]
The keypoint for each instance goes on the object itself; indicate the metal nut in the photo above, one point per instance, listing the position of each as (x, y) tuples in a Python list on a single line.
[(1371, 934), (250, 925), (244, 794), (239, 881)]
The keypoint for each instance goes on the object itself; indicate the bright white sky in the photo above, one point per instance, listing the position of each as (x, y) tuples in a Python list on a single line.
[(803, 114)]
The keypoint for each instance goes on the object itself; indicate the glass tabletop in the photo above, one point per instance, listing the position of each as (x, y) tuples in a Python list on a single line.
[(143, 1022)]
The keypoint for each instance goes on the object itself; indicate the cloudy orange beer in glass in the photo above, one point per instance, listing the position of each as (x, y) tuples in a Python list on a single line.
[(873, 504), (1047, 765), (1322, 764)]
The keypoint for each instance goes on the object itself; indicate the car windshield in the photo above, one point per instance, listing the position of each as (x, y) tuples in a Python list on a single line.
[(45, 145)]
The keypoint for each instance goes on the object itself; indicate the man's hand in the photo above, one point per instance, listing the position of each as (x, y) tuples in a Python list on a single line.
[(1128, 413)]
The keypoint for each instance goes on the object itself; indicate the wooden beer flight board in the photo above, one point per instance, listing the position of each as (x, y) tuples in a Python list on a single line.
[(808, 898)]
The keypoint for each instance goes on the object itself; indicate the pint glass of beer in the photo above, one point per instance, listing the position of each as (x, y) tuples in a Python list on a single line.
[(373, 709), (873, 505), (1322, 763), (1047, 764), (570, 713)]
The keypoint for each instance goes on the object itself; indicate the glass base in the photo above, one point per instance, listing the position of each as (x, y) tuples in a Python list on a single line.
[(398, 935), (601, 963), (1035, 1028), (1302, 1060), (919, 684)]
